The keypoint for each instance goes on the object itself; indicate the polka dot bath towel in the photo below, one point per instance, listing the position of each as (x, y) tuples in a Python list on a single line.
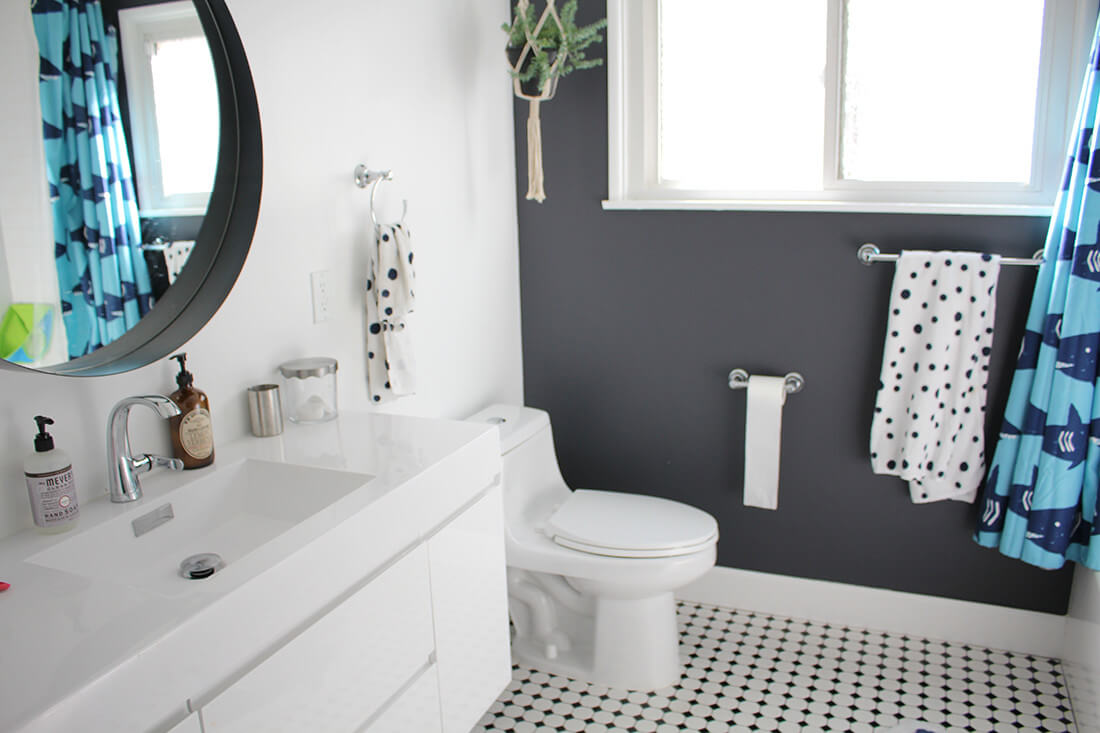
[(929, 424), (391, 369)]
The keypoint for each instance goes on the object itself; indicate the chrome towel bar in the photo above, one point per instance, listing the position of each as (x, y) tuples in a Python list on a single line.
[(870, 253)]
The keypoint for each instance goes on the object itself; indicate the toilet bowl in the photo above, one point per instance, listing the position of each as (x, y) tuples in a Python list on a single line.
[(592, 574)]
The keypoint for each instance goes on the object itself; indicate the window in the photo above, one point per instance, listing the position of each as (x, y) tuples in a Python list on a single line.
[(172, 97), (938, 106)]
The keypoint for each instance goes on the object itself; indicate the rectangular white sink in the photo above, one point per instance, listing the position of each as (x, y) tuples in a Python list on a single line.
[(233, 511)]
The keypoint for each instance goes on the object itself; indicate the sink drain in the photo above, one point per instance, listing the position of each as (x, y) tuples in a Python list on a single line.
[(201, 566)]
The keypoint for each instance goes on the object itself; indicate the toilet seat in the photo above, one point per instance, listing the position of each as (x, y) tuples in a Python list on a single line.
[(630, 525)]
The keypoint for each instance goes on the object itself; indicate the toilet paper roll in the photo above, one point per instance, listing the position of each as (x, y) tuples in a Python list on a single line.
[(763, 425)]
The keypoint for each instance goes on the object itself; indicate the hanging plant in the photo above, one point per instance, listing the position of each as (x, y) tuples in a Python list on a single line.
[(542, 48)]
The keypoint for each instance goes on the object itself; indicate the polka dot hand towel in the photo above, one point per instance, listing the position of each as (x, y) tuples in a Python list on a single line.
[(391, 369), (929, 425)]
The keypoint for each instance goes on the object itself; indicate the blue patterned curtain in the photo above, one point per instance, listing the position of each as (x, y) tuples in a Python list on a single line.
[(1040, 499), (104, 280)]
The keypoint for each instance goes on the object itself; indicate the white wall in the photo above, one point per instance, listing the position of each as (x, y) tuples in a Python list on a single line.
[(418, 86), (1081, 651), (27, 271)]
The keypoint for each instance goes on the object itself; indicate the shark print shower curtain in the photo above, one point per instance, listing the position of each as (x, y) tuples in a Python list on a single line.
[(1039, 502), (105, 287)]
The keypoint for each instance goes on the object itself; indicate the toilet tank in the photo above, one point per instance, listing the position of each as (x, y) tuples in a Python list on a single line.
[(532, 481)]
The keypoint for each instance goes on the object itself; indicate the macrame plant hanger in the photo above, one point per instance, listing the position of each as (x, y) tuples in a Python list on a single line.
[(535, 189)]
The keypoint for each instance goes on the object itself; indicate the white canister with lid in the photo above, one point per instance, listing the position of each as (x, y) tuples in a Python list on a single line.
[(310, 389)]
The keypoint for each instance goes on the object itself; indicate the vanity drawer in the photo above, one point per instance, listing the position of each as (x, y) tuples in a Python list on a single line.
[(190, 724), (470, 599), (415, 711), (339, 671)]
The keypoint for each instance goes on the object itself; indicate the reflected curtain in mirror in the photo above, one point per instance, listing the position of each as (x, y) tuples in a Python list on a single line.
[(103, 278)]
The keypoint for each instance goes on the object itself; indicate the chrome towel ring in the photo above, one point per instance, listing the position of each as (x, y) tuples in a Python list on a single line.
[(365, 177)]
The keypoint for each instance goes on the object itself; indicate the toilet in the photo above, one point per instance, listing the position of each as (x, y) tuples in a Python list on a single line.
[(592, 574)]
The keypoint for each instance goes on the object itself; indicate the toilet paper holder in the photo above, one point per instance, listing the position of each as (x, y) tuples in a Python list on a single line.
[(794, 382)]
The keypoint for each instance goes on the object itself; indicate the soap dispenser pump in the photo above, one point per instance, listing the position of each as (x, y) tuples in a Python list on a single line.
[(192, 432)]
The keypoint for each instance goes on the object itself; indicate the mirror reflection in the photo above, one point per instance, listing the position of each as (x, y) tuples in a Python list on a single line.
[(112, 142)]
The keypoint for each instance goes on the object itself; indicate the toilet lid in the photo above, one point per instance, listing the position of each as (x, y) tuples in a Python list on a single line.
[(630, 525)]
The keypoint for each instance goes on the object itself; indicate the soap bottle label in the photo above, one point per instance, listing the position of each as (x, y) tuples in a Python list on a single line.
[(196, 434), (53, 497)]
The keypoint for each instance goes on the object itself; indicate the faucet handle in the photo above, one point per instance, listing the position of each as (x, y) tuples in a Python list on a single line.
[(164, 462), (148, 462)]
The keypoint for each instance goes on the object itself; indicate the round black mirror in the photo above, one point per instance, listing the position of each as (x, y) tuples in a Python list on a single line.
[(225, 235)]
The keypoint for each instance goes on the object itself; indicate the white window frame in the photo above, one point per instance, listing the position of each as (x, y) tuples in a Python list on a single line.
[(632, 107), (139, 29)]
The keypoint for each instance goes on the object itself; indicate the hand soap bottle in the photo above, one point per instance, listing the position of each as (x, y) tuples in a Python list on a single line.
[(50, 483), (192, 434)]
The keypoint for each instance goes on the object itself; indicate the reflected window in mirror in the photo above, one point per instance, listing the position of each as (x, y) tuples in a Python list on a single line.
[(172, 100)]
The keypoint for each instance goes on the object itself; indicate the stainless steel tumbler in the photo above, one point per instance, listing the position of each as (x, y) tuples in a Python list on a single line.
[(265, 408)]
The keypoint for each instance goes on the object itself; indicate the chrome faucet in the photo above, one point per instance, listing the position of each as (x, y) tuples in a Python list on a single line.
[(122, 468)]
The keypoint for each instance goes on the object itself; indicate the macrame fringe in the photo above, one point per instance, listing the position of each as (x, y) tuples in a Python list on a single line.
[(535, 190)]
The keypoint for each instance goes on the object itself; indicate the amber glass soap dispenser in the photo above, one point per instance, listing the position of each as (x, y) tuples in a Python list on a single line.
[(192, 434)]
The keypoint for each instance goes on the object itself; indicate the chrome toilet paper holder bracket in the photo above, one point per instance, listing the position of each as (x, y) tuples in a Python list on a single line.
[(793, 382)]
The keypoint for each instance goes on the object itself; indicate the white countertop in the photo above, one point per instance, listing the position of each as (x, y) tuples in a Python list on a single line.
[(78, 654)]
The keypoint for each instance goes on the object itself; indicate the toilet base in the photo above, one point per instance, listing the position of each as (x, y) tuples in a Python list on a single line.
[(637, 642), (629, 644)]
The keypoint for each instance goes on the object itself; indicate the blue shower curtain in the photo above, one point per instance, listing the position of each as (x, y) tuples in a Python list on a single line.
[(1039, 503), (103, 277)]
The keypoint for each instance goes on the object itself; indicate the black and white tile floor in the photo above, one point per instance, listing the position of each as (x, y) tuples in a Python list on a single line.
[(754, 672)]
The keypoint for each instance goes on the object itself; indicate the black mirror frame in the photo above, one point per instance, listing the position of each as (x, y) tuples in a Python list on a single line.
[(226, 234)]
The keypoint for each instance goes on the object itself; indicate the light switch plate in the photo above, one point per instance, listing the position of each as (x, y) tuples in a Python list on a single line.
[(318, 282)]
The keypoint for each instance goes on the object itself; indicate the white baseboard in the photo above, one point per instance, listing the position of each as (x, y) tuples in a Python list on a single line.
[(995, 627)]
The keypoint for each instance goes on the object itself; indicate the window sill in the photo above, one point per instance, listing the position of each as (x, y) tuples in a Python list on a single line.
[(170, 213), (839, 207)]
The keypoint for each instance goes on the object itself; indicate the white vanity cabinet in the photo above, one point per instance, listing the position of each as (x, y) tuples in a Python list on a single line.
[(416, 709), (470, 610), (190, 724), (379, 605), (417, 647)]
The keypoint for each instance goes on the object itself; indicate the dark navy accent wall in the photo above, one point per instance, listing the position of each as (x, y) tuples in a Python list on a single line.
[(632, 320)]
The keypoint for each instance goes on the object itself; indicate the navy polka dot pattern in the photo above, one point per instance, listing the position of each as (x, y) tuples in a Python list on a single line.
[(176, 255), (391, 369), (929, 424)]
